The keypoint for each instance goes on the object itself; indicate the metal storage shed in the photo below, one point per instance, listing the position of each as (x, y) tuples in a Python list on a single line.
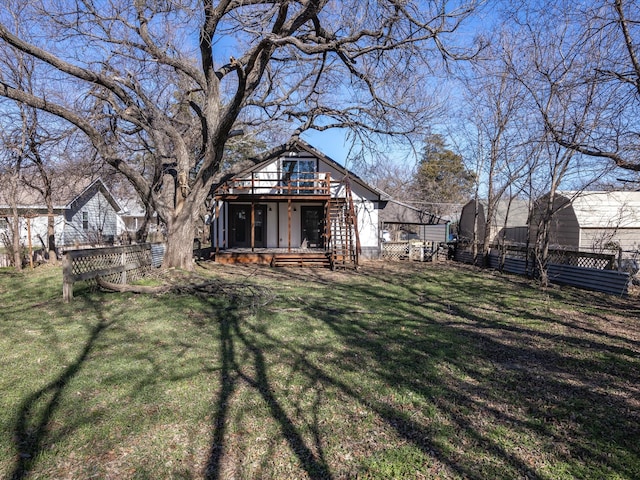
[(593, 221)]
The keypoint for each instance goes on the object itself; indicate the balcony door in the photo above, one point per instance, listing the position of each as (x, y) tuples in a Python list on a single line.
[(240, 226)]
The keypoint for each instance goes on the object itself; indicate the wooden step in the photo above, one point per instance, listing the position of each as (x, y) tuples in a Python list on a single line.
[(300, 260)]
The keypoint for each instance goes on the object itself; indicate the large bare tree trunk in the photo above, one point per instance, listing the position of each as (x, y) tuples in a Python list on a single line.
[(180, 238)]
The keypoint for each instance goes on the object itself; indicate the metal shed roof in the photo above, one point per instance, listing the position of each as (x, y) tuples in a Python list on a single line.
[(620, 209)]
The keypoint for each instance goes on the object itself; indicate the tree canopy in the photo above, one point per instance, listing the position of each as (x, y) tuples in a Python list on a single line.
[(442, 176), (159, 88)]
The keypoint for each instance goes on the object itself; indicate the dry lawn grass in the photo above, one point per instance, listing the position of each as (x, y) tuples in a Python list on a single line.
[(398, 370)]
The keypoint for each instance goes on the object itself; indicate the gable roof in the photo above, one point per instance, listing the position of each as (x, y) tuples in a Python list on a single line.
[(300, 146), (64, 195), (96, 185)]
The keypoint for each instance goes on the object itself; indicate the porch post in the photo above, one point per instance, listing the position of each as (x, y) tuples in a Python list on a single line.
[(225, 207), (217, 229), (289, 224), (253, 225), (278, 224)]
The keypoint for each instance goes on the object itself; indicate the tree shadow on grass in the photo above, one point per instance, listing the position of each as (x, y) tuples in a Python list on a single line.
[(503, 365), (232, 373), (506, 374), (32, 428)]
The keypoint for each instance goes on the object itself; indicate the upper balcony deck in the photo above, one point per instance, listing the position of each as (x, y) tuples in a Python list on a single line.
[(267, 185)]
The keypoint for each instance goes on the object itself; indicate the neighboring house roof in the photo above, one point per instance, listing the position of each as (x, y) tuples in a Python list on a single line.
[(64, 195), (97, 185), (603, 209), (298, 146), (132, 208)]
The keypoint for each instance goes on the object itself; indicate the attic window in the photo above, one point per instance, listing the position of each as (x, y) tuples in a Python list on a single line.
[(85, 220)]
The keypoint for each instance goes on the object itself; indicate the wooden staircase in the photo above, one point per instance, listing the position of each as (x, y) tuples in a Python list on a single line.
[(342, 227)]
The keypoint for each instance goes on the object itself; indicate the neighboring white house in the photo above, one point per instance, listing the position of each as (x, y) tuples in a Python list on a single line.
[(286, 203), (593, 221), (82, 216)]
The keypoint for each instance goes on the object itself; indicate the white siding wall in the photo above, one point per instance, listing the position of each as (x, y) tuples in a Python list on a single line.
[(296, 229), (39, 230), (367, 214)]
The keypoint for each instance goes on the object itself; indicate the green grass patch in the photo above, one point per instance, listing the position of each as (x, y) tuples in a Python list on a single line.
[(394, 371)]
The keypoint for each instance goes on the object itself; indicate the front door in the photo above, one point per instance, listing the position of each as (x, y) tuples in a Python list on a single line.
[(240, 225), (313, 226)]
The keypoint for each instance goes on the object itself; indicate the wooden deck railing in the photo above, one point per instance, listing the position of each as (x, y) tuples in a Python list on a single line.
[(308, 183)]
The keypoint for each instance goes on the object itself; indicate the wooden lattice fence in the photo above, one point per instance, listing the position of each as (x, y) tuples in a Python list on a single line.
[(601, 261), (122, 264), (412, 250)]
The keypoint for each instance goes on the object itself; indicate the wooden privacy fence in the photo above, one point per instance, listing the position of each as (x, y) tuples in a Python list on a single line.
[(114, 264)]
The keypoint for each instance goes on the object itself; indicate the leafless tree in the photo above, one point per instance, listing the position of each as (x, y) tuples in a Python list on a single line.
[(544, 60), (10, 166), (498, 121), (37, 144), (160, 87), (598, 80)]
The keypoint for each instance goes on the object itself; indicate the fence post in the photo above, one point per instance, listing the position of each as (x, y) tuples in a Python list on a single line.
[(123, 262), (67, 278), (619, 259)]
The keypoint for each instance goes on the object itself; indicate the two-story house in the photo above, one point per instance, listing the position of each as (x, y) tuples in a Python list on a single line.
[(301, 208)]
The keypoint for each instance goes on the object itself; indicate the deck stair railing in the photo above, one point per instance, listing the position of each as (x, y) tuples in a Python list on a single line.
[(342, 230)]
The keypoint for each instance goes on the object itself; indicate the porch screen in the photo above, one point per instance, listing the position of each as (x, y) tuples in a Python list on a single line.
[(299, 175)]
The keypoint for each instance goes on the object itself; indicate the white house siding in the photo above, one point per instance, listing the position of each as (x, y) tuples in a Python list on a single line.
[(39, 225), (267, 179), (367, 213), (282, 213), (218, 225)]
